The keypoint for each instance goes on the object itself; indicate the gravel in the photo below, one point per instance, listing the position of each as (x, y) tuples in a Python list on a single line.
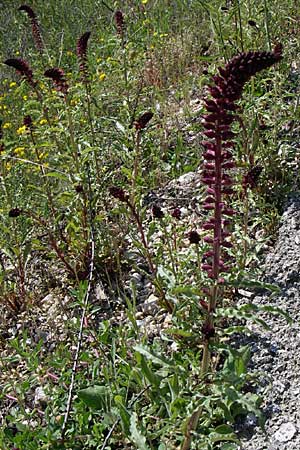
[(276, 352)]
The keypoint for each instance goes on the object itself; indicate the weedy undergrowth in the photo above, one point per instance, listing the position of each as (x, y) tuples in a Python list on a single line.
[(92, 144)]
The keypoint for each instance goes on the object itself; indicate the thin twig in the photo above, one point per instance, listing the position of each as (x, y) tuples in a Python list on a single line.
[(84, 308), (83, 314)]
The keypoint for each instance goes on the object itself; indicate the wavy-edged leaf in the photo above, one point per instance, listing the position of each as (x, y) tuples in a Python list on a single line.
[(96, 397), (136, 436)]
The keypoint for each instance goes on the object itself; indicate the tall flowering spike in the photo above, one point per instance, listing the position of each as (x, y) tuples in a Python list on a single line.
[(119, 21), (221, 107), (36, 32), (22, 67), (81, 51), (59, 79)]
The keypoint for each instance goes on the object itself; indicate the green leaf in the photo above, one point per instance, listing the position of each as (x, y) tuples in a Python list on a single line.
[(166, 275), (229, 446), (223, 429), (178, 332), (58, 175), (124, 414), (149, 374), (218, 437), (149, 354), (136, 436), (255, 284), (96, 397)]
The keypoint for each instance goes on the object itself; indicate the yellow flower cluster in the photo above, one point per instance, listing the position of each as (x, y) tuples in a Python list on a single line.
[(21, 130), (19, 151)]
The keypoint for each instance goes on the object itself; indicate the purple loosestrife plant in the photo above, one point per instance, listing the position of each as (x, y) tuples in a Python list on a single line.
[(221, 107), (36, 32)]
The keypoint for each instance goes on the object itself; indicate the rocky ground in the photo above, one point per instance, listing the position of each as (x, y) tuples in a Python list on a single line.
[(276, 352)]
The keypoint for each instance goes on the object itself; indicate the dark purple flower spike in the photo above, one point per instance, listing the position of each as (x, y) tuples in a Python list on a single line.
[(143, 120), (27, 122), (119, 21), (36, 32), (81, 50), (221, 107), (22, 67), (58, 77)]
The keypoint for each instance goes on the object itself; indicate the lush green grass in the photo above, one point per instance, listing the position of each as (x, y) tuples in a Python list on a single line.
[(56, 205)]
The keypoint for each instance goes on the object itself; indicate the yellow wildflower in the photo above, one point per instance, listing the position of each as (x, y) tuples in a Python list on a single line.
[(21, 130), (6, 125), (12, 84), (69, 53), (102, 76), (8, 166), (25, 97), (19, 151), (43, 121), (144, 2)]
